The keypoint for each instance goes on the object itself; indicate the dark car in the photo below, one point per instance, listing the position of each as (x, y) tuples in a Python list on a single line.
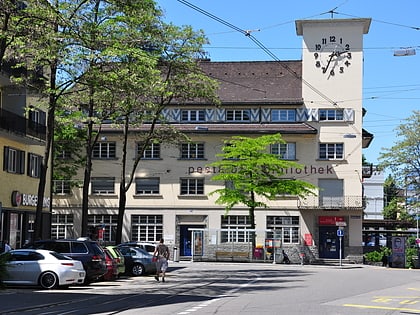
[(88, 252), (138, 262)]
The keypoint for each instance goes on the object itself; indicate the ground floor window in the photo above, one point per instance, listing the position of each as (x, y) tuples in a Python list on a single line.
[(62, 226), (146, 228), (236, 226), (108, 224), (286, 228)]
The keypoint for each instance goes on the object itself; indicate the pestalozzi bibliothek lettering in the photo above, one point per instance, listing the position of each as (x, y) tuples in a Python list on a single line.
[(306, 170)]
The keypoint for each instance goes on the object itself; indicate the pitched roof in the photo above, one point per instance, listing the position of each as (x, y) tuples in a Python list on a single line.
[(257, 82)]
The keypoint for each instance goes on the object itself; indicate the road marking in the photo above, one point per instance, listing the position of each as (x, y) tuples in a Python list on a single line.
[(207, 303), (383, 308)]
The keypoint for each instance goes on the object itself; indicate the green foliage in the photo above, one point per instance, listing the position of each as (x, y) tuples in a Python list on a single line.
[(403, 158), (378, 256), (411, 251), (375, 256), (254, 172)]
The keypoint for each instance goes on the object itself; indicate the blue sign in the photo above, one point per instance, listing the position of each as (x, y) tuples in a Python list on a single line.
[(340, 232)]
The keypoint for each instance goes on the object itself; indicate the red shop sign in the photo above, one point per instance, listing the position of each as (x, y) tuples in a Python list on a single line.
[(330, 220)]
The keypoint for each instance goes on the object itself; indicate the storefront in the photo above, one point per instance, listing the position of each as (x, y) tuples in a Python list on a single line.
[(18, 219), (329, 237)]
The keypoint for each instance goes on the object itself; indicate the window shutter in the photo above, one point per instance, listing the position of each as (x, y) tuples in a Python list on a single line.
[(5, 158), (21, 162)]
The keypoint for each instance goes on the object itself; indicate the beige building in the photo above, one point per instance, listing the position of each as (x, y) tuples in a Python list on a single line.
[(314, 103), (22, 141)]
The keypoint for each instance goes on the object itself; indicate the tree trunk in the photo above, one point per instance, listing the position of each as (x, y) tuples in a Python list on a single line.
[(123, 189), (38, 228)]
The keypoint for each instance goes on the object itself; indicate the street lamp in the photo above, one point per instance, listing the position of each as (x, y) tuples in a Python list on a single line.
[(404, 52)]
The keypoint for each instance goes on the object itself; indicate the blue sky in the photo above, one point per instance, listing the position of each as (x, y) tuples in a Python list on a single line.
[(391, 85)]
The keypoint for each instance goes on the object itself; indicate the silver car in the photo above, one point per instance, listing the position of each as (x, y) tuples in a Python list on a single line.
[(41, 267)]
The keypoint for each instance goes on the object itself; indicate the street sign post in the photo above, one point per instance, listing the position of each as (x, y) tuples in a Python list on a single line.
[(340, 234)]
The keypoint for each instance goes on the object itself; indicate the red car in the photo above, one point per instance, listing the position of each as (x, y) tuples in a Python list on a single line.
[(111, 266)]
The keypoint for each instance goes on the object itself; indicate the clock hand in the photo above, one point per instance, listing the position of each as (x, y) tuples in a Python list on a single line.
[(328, 63)]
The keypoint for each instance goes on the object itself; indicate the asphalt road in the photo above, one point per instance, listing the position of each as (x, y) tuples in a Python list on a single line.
[(224, 288)]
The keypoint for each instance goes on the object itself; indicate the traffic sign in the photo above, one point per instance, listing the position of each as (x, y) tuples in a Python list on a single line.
[(340, 232)]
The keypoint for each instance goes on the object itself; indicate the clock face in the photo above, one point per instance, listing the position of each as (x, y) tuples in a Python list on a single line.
[(332, 55)]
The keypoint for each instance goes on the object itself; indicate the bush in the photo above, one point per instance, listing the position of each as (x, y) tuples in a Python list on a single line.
[(375, 256), (378, 256)]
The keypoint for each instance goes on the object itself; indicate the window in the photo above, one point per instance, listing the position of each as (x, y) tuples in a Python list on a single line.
[(192, 186), (331, 193), (14, 160), (331, 151), (285, 228), (236, 224), (152, 151), (103, 185), (34, 165), (104, 150), (62, 226), (147, 186), (106, 222), (283, 115), (285, 151), (146, 228), (331, 114), (62, 187), (193, 115), (192, 151), (238, 115), (37, 116)]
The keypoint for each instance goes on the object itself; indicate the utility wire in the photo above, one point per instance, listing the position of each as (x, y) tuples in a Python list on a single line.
[(248, 34)]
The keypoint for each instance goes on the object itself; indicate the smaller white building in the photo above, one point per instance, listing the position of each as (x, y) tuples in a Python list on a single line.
[(374, 195)]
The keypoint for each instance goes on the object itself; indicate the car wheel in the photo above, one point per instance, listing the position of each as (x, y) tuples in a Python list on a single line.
[(48, 280), (137, 270)]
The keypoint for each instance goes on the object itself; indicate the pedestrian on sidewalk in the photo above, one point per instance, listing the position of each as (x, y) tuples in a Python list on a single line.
[(162, 255)]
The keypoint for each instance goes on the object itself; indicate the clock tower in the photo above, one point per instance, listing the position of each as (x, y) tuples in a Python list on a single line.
[(332, 76), (332, 58)]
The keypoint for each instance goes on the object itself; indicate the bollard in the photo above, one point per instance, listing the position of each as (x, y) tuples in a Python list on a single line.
[(176, 255)]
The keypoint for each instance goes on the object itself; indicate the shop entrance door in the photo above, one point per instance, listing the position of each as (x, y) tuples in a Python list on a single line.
[(186, 239), (329, 243)]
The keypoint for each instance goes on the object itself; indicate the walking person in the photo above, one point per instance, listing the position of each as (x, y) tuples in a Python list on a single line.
[(162, 255), (286, 259), (7, 247)]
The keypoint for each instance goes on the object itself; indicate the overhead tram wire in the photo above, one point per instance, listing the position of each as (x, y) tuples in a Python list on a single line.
[(248, 34)]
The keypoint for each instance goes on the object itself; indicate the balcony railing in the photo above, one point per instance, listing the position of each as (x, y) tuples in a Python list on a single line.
[(332, 203), (18, 124)]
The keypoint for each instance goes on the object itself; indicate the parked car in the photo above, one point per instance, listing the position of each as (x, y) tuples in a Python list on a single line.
[(111, 265), (88, 252), (138, 262), (147, 246), (45, 268), (119, 258)]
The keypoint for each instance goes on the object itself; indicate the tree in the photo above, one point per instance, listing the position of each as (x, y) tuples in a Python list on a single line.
[(403, 158), (40, 44), (391, 191), (255, 174), (148, 90)]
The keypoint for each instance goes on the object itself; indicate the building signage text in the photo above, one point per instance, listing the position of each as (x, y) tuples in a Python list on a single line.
[(19, 199), (306, 170)]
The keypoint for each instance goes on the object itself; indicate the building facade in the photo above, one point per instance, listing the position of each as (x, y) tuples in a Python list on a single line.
[(22, 140), (314, 103)]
